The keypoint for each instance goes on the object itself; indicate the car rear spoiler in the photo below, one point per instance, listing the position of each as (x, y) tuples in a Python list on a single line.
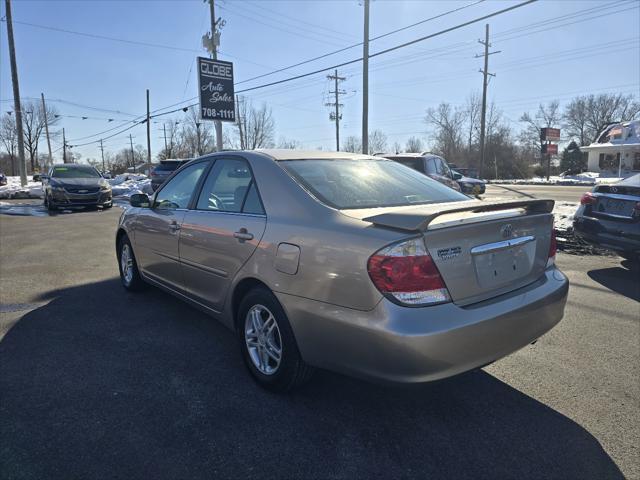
[(419, 221)]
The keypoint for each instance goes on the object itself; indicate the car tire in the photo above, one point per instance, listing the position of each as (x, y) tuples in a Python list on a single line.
[(260, 349), (50, 205), (128, 267)]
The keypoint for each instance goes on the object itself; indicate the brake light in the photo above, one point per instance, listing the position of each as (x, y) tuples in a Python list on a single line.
[(587, 198), (406, 272), (553, 247)]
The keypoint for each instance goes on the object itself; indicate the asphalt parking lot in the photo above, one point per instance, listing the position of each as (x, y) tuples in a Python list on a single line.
[(99, 383)]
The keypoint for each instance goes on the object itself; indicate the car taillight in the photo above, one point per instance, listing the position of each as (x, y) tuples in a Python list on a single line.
[(553, 248), (406, 272), (587, 199)]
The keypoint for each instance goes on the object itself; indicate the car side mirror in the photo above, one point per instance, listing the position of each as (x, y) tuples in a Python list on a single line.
[(457, 176), (140, 200)]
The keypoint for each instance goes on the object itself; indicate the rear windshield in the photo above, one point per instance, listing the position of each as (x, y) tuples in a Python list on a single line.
[(347, 184), (75, 172), (168, 167)]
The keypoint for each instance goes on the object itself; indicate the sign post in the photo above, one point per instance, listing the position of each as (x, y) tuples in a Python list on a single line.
[(215, 82), (548, 135)]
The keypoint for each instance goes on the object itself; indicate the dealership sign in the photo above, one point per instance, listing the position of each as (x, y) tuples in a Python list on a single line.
[(215, 81), (550, 134)]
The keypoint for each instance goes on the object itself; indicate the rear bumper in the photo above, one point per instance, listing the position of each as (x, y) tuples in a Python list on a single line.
[(618, 236), (408, 345)]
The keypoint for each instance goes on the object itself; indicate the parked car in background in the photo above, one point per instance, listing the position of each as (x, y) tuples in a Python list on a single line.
[(37, 177), (348, 262), (609, 216), (3, 179), (74, 185), (432, 165), (163, 170), (468, 185)]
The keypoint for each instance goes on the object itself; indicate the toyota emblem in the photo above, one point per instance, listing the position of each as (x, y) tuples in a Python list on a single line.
[(506, 230)]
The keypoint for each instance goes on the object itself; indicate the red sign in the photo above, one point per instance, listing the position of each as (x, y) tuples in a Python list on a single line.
[(550, 134), (550, 149)]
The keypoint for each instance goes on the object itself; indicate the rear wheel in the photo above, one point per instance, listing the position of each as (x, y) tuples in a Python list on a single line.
[(49, 204), (129, 273), (269, 348)]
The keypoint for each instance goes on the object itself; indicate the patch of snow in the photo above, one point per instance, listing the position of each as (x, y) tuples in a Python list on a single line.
[(13, 189), (584, 178), (123, 186), (563, 213)]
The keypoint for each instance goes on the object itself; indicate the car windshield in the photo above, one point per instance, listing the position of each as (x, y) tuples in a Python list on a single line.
[(167, 167), (346, 184), (75, 172)]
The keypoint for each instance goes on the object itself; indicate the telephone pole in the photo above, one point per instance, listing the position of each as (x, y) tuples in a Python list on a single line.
[(64, 147), (365, 81), (46, 128), (16, 95), (485, 83), (215, 40), (148, 131), (164, 129), (102, 152), (133, 158), (239, 122), (336, 116)]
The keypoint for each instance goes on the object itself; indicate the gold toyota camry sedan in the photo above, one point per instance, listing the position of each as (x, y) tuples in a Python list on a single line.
[(347, 262)]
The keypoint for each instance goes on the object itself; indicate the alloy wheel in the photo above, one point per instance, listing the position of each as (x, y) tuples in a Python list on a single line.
[(263, 340)]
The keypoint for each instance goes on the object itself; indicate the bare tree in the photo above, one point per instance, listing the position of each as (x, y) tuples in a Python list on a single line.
[(414, 145), (352, 144), (255, 126), (172, 138), (197, 136), (33, 120), (447, 123), (9, 139), (545, 117), (377, 141), (397, 148), (289, 144), (586, 116), (472, 110)]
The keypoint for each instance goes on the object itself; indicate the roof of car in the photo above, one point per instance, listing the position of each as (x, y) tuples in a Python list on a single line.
[(287, 154), (71, 165), (407, 154)]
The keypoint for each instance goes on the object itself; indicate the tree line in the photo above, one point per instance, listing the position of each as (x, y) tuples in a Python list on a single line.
[(452, 131)]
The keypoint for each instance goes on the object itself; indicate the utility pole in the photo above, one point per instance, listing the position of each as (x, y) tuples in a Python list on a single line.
[(64, 147), (16, 95), (239, 122), (148, 131), (485, 83), (102, 151), (133, 157), (336, 115), (164, 128), (215, 40), (46, 128), (365, 81)]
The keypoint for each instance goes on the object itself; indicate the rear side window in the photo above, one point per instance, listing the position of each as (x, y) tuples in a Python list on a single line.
[(228, 185), (347, 184)]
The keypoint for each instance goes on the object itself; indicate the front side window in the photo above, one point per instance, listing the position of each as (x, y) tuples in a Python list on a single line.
[(177, 192), (347, 184), (228, 187)]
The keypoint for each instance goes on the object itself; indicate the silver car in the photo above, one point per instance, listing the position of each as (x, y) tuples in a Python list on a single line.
[(347, 262)]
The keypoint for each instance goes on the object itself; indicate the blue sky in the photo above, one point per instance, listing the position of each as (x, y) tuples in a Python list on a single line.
[(549, 50)]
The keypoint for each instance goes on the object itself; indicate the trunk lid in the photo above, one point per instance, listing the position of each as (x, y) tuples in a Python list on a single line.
[(482, 249)]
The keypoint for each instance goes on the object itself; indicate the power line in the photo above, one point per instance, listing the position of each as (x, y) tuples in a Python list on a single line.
[(358, 44)]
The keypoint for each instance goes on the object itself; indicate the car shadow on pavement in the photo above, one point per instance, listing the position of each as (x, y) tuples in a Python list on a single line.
[(101, 383), (619, 279)]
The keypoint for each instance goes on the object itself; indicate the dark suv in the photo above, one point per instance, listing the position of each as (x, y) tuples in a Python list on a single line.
[(162, 171), (431, 165)]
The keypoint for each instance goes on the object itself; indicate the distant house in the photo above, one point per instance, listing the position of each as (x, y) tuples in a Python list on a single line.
[(616, 150)]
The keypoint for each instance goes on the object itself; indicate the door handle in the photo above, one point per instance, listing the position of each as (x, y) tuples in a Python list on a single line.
[(243, 235), (173, 226)]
